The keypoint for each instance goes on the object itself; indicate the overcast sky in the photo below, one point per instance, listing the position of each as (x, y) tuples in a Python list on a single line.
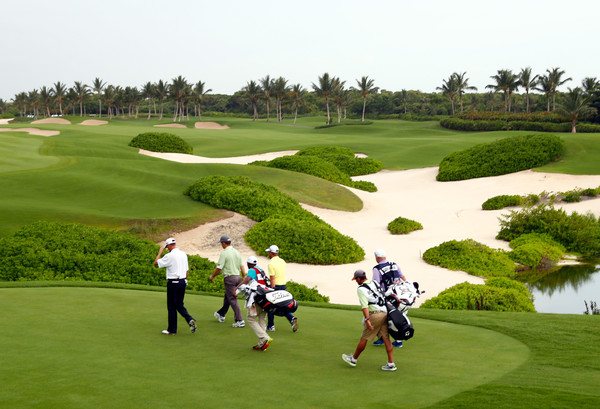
[(400, 44)]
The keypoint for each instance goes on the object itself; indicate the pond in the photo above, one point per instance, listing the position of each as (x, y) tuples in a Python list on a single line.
[(565, 289)]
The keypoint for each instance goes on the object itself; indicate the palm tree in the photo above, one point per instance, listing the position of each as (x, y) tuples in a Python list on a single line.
[(266, 84), (462, 85), (34, 102), (575, 105), (337, 93), (148, 93), (45, 99), (404, 99), (199, 93), (544, 85), (590, 85), (507, 82), (81, 92), (324, 89), (528, 82), (20, 100), (109, 97), (177, 91), (252, 91), (449, 89), (59, 92), (366, 86), (162, 91), (297, 93), (98, 85), (280, 89), (555, 77)]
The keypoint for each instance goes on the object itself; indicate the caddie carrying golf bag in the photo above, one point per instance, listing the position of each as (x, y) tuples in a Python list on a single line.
[(399, 298), (278, 302)]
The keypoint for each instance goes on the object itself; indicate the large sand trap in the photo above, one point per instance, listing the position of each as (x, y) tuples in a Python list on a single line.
[(32, 131), (209, 125), (60, 121), (170, 126), (239, 160), (94, 122), (5, 121), (447, 211)]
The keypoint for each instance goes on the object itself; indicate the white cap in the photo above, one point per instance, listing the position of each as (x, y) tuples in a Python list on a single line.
[(170, 240), (272, 249), (252, 260), (380, 253)]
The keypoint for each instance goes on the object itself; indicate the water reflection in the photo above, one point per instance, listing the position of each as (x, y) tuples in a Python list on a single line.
[(563, 290)]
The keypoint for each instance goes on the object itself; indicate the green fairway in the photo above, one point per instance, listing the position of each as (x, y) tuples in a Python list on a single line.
[(92, 347), (88, 174)]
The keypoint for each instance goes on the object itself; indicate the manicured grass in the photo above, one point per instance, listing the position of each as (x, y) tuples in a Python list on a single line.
[(88, 174), (88, 347)]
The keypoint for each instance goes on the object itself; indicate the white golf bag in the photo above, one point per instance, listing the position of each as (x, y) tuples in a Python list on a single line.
[(399, 298)]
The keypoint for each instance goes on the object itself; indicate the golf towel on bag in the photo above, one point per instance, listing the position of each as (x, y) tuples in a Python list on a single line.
[(278, 302), (399, 326)]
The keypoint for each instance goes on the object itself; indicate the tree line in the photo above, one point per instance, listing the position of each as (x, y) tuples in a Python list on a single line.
[(181, 98)]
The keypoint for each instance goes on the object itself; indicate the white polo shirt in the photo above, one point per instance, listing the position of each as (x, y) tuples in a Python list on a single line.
[(176, 263)]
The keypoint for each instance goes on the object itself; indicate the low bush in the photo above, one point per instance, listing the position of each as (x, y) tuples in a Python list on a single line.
[(304, 241), (344, 159), (498, 294), (503, 156), (536, 250), (305, 237), (589, 192), (471, 257), (572, 196), (576, 232), (333, 163), (65, 251), (400, 225), (304, 293), (161, 142), (502, 201)]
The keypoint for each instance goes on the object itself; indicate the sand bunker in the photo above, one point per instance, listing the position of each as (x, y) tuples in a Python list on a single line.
[(60, 121), (171, 126), (32, 131), (5, 121), (447, 211), (209, 125), (94, 122), (239, 160)]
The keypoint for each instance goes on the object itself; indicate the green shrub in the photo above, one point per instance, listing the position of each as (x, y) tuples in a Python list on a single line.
[(472, 257), (65, 251), (504, 156), (577, 233), (306, 238), (400, 225), (495, 295), (311, 165), (364, 185), (572, 196), (531, 199), (303, 293), (241, 194), (344, 159), (502, 201), (161, 142), (590, 192), (304, 241)]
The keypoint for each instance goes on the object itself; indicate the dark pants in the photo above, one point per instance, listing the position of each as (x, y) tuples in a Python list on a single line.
[(271, 317), (230, 298), (175, 295)]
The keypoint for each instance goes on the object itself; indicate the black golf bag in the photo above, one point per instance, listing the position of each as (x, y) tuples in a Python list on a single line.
[(399, 326), (278, 302)]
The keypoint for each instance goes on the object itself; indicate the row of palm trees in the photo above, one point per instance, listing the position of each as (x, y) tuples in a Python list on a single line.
[(507, 82), (186, 97)]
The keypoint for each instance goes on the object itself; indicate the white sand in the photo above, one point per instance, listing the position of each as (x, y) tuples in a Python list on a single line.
[(60, 121), (5, 121), (239, 160), (447, 211), (170, 126), (210, 125), (31, 131), (93, 122)]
